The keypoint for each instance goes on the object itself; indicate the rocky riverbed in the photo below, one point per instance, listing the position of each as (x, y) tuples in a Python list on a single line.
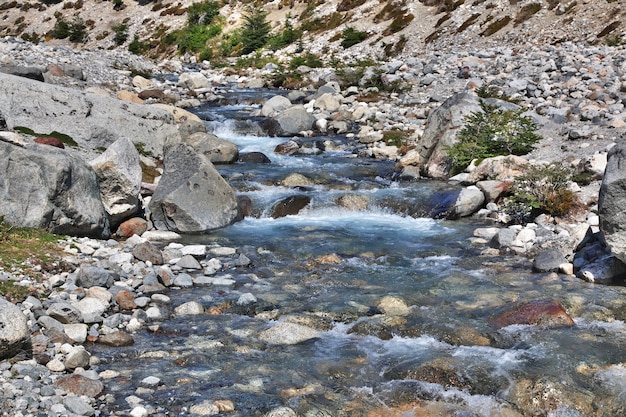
[(116, 288)]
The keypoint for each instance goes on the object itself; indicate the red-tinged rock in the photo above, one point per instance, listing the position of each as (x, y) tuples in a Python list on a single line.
[(134, 226), (49, 140), (55, 70), (116, 339), (541, 313), (152, 93), (80, 385), (126, 300)]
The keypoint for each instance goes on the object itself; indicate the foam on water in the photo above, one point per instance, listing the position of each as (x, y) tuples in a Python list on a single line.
[(376, 221)]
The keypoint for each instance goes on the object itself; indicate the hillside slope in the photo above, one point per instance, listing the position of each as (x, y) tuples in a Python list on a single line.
[(393, 27)]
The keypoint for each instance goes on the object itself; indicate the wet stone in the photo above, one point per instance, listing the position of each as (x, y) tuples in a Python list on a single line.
[(126, 300), (64, 313), (188, 262), (94, 276), (116, 339), (78, 357), (542, 313), (147, 252), (80, 385), (79, 406)]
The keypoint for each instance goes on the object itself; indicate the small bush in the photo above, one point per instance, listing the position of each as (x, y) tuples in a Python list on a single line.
[(396, 137), (137, 46), (544, 189), (194, 38), (75, 31), (78, 30), (492, 91), (231, 44), (492, 132), (615, 40), (309, 59), (202, 13), (61, 29), (255, 60), (121, 33), (288, 36), (206, 54), (351, 36)]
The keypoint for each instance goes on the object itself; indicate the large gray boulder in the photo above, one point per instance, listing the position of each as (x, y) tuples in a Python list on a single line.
[(612, 201), (91, 120), (191, 196), (217, 150), (275, 105), (14, 332), (46, 187), (441, 130), (290, 121), (119, 176), (194, 81)]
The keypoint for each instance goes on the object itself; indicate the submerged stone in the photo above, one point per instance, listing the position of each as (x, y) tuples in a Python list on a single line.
[(541, 313)]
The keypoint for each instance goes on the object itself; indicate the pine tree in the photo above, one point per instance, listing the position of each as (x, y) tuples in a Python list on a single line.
[(255, 31)]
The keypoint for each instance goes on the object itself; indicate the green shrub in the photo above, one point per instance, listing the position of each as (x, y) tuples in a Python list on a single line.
[(492, 91), (206, 54), (202, 13), (61, 29), (351, 36), (121, 33), (137, 46), (544, 189), (492, 132), (77, 30), (194, 38), (309, 59), (288, 36), (615, 40), (255, 60)]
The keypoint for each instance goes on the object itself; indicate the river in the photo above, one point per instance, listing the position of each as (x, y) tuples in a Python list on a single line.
[(435, 351)]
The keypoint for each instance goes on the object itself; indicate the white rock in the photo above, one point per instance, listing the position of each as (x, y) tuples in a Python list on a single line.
[(223, 251), (151, 381), (56, 365), (134, 325), (139, 411), (194, 250), (76, 331), (285, 333), (191, 308)]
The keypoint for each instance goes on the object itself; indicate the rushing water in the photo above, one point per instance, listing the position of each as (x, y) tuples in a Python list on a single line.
[(329, 268)]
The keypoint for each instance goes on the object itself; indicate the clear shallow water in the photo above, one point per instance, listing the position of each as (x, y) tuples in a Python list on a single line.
[(329, 268)]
